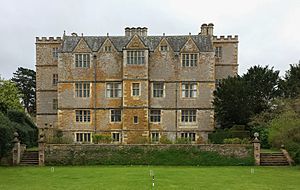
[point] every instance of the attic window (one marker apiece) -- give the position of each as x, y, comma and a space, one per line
163, 48
107, 48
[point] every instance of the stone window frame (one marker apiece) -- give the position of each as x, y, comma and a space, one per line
114, 116
55, 104
155, 137
83, 116
189, 59
219, 52
135, 90
164, 48
54, 79
84, 136
114, 135
55, 53
188, 116
189, 135
82, 60
191, 91
116, 92
155, 117
107, 48
135, 119
163, 90
81, 90
135, 57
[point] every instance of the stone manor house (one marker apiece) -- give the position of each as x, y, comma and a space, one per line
133, 87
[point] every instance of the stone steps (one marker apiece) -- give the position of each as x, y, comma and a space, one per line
30, 158
273, 159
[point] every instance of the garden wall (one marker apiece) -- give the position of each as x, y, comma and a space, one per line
94, 154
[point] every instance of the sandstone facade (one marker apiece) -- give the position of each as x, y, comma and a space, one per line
135, 87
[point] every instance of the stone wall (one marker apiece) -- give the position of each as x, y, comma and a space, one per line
204, 154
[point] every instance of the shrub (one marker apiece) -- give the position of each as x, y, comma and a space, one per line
101, 138
61, 140
164, 140
235, 132
285, 130
183, 141
236, 141
6, 135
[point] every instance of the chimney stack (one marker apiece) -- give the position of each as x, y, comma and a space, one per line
210, 29
141, 31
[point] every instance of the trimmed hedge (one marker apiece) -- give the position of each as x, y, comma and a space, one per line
139, 155
237, 131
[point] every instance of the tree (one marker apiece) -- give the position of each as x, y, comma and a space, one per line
25, 80
262, 84
238, 99
290, 86
9, 96
232, 103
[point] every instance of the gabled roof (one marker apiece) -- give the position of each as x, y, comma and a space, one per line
176, 42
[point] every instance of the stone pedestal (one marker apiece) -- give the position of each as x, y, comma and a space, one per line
16, 151
256, 148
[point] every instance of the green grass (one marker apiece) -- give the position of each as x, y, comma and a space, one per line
270, 150
137, 177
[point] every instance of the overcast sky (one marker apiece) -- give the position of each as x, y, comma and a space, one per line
268, 30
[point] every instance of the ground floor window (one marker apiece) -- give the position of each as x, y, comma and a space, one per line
83, 137
154, 137
189, 136
116, 137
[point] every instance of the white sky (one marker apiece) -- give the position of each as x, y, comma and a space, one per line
268, 30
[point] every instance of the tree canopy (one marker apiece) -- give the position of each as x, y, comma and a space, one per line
237, 99
9, 96
25, 80
290, 86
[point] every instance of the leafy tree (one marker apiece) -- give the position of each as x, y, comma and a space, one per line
232, 103
9, 96
237, 99
290, 86
262, 84
25, 80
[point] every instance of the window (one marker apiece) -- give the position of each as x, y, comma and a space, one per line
82, 60
135, 57
54, 104
115, 115
189, 59
135, 89
83, 116
82, 89
188, 116
189, 90
113, 90
55, 53
107, 48
54, 79
163, 48
135, 119
158, 89
155, 137
83, 137
155, 116
190, 136
218, 52
115, 137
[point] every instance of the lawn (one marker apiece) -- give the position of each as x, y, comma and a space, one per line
138, 177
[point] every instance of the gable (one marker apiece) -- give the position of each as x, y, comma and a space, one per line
107, 43
135, 43
163, 42
190, 46
82, 47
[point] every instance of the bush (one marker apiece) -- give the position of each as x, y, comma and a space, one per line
6, 135
237, 131
183, 141
236, 141
285, 130
263, 136
100, 138
164, 140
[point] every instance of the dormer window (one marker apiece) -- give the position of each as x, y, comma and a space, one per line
135, 57
164, 48
107, 48
189, 59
